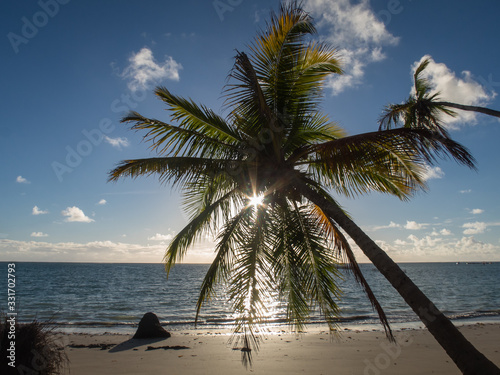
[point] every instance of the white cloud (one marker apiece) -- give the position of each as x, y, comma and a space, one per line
161, 237
413, 225
445, 232
442, 232
476, 211
469, 245
389, 226
426, 241
468, 191
39, 234
22, 180
357, 31
474, 228
432, 173
143, 71
460, 90
74, 214
102, 202
478, 227
37, 211
117, 142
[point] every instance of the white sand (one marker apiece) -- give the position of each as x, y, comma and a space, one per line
363, 353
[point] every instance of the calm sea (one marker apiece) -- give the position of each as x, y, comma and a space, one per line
85, 297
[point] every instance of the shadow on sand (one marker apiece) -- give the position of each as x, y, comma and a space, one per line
134, 343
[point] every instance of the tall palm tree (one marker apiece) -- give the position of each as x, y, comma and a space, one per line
261, 177
424, 108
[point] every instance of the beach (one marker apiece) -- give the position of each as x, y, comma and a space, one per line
97, 317
318, 352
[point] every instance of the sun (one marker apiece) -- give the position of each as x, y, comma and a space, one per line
256, 200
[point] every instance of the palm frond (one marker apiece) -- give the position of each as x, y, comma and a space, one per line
174, 170
422, 86
309, 130
205, 189
348, 258
251, 279
394, 114
319, 265
220, 269
177, 141
192, 232
290, 265
198, 118
388, 161
247, 98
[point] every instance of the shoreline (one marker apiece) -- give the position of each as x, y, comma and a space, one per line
129, 328
313, 352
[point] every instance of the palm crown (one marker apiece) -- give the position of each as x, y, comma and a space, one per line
275, 143
421, 110
425, 109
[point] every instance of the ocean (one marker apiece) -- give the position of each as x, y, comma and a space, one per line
95, 297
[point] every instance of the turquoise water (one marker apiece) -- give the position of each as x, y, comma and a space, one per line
113, 297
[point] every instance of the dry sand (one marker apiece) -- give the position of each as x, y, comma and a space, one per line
355, 352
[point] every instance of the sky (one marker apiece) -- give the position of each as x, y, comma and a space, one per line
71, 69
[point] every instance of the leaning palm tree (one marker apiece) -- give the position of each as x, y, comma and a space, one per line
262, 180
424, 108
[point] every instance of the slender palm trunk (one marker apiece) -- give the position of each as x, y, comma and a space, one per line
468, 359
487, 111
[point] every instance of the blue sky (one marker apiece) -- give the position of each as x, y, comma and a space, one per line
71, 69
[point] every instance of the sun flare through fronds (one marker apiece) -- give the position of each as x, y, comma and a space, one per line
256, 200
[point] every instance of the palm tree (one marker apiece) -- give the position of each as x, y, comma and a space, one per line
423, 108
260, 180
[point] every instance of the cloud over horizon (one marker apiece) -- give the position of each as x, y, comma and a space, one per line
161, 237
93, 251
466, 248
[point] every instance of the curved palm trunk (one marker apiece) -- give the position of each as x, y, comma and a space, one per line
486, 111
468, 359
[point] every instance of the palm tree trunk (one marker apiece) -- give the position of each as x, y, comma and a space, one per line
463, 107
468, 359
